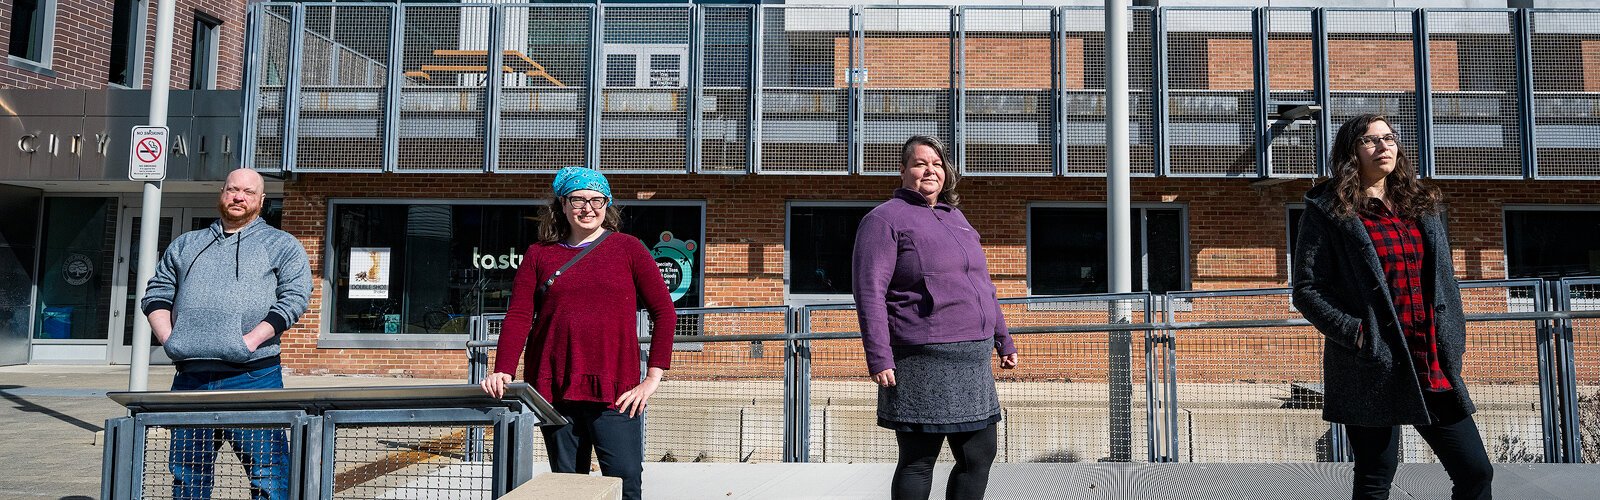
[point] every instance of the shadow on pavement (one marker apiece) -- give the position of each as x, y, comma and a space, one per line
29, 406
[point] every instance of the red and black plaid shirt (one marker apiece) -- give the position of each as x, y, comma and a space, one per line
1399, 245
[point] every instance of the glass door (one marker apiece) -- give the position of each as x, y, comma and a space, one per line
125, 311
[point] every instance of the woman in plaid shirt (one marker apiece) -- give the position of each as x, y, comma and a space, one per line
1373, 273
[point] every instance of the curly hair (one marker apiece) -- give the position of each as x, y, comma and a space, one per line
1409, 196
952, 175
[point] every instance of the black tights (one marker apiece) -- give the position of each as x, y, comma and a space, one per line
974, 452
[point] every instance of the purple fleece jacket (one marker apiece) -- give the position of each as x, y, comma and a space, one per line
920, 278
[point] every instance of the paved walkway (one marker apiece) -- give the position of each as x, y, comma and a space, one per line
52, 414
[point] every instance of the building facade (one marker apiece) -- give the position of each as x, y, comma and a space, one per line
744, 143
73, 84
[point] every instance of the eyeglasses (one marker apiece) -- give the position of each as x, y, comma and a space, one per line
596, 203
1371, 141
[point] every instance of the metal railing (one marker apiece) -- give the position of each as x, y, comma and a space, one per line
818, 89
362, 442
1222, 376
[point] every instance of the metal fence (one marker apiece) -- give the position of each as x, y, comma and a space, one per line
357, 443
1198, 376
790, 89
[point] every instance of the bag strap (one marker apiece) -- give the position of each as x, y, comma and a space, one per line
586, 249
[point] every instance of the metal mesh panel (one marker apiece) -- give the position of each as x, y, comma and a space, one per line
844, 401
726, 71
1249, 394
804, 101
724, 402
1007, 92
1289, 78
1084, 111
442, 98
903, 96
644, 77
1211, 77
1501, 370
412, 462
1472, 62
544, 102
1055, 404
1566, 100
344, 65
1354, 39
206, 462
1585, 296
273, 61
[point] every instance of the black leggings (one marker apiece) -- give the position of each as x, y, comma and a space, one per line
974, 452
1454, 440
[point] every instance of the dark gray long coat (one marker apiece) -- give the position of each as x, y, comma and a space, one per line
1340, 287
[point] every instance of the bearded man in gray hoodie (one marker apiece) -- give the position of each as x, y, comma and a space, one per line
219, 301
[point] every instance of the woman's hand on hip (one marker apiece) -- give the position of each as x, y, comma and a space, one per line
1008, 361
884, 378
495, 384
632, 403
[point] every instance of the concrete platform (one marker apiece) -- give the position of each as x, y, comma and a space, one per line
1106, 481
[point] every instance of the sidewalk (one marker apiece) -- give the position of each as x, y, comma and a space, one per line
50, 415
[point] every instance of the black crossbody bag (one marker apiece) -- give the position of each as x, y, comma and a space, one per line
552, 280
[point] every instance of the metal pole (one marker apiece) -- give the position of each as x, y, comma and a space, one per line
1119, 234
150, 213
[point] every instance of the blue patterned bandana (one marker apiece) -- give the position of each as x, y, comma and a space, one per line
571, 179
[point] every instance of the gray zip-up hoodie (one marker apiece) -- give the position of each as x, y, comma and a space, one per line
219, 287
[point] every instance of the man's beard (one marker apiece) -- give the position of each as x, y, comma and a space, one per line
227, 216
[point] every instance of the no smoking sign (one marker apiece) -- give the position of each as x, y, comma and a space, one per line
148, 159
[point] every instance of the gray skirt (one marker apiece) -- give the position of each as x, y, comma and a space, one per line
940, 384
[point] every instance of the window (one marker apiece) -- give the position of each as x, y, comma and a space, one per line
32, 30
822, 237
620, 70
1067, 249
127, 35
1550, 243
203, 56
1293, 224
645, 65
411, 269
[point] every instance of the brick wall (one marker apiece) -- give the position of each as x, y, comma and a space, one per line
745, 233
82, 48
1353, 65
1590, 54
1004, 63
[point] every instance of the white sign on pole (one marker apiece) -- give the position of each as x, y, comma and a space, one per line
147, 160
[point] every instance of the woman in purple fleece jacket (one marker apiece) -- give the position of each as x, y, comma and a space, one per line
929, 318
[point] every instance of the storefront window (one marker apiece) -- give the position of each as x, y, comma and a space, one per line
75, 269
1067, 250
822, 238
426, 268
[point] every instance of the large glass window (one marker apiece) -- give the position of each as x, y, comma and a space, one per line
1067, 250
822, 238
425, 268
18, 241
1552, 242
75, 269
32, 28
127, 18
203, 52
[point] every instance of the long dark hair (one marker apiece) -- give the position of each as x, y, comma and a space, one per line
952, 175
554, 228
1410, 197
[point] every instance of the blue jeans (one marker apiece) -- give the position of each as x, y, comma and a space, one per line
263, 452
